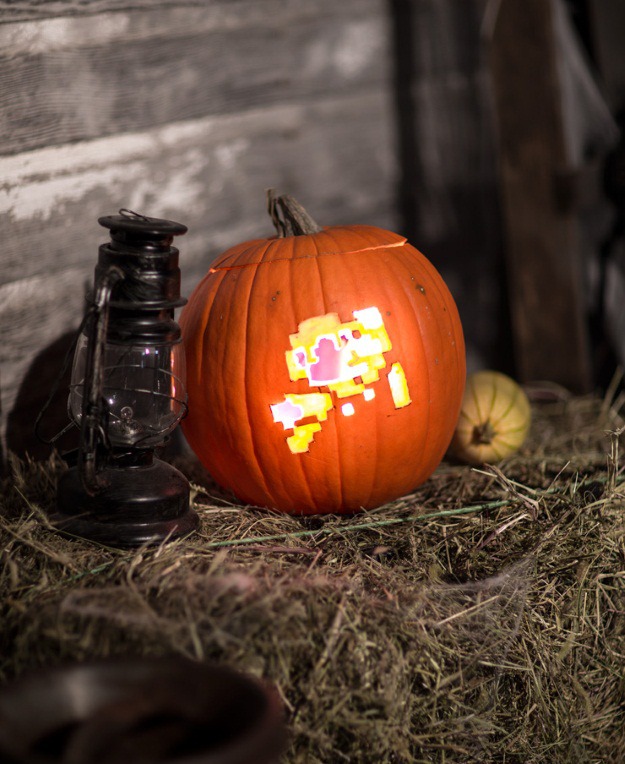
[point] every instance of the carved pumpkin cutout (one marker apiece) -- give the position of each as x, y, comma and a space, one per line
343, 358
325, 369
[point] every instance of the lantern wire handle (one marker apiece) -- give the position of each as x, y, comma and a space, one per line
94, 409
131, 214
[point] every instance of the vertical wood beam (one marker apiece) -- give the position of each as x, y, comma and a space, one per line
542, 246
607, 22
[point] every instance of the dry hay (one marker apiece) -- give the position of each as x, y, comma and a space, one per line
478, 619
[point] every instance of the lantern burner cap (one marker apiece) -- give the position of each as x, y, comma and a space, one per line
131, 226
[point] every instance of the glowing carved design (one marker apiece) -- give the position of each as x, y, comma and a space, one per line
399, 386
344, 358
295, 408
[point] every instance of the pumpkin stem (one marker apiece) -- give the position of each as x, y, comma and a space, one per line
483, 434
289, 217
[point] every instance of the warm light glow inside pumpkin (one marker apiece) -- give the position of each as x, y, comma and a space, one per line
399, 386
345, 357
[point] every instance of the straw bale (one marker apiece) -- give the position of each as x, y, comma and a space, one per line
478, 619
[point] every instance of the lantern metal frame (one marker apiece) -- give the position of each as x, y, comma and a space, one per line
118, 492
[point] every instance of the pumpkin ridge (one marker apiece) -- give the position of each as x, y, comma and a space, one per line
339, 450
513, 430
244, 434
444, 301
447, 301
512, 402
302, 470
476, 401
498, 455
493, 400
246, 381
259, 247
507, 444
315, 255
239, 250
429, 388
416, 313
336, 437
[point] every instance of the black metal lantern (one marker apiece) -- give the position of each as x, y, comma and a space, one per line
128, 394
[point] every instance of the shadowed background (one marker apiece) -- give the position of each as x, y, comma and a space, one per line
481, 129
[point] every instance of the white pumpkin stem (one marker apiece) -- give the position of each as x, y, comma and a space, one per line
483, 434
289, 217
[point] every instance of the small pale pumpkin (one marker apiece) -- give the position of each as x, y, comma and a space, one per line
494, 419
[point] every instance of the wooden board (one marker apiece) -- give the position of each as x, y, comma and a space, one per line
187, 111
210, 174
66, 80
447, 149
28, 10
607, 27
542, 245
20, 10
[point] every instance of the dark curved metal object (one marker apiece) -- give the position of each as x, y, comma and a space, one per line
115, 493
140, 711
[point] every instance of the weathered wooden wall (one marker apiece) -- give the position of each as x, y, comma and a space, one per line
188, 111
543, 239
377, 111
555, 130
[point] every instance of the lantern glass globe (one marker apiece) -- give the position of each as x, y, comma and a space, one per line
143, 387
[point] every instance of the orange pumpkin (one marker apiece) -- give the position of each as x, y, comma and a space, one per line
325, 367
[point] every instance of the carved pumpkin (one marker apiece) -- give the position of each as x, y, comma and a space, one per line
494, 419
325, 367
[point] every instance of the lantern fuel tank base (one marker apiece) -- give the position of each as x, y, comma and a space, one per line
143, 504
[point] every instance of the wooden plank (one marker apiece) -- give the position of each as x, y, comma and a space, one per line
131, 20
607, 23
607, 27
446, 37
27, 10
210, 174
542, 247
446, 143
454, 147
449, 137
66, 80
33, 10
